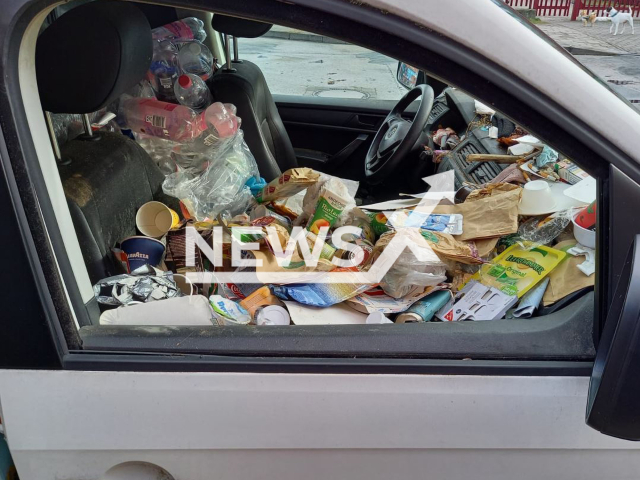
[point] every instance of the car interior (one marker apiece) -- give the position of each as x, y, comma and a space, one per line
107, 176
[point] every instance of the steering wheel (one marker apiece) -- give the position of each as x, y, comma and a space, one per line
396, 136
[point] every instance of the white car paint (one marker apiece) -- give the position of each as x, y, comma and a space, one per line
79, 425
227, 426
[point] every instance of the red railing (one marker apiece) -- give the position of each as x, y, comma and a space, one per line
544, 8
600, 6
566, 8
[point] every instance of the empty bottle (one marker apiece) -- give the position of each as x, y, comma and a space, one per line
221, 122
163, 71
161, 119
191, 28
195, 58
191, 91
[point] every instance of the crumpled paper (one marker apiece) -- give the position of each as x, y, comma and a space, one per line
144, 284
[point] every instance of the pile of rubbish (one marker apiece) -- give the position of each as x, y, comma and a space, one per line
300, 249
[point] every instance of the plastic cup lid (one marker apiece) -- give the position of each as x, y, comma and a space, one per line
273, 315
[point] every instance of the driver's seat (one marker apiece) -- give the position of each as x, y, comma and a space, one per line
244, 85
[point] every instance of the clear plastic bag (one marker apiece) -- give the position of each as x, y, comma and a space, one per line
221, 187
413, 268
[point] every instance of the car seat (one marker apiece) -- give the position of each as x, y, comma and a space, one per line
243, 84
85, 60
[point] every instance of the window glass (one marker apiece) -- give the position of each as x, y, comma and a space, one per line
205, 203
300, 63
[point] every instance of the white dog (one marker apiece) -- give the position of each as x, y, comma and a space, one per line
618, 18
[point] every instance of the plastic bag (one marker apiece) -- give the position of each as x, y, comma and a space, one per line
221, 187
346, 189
409, 272
160, 151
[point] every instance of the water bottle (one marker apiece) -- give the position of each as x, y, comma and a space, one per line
163, 71
191, 91
153, 117
195, 58
191, 28
220, 121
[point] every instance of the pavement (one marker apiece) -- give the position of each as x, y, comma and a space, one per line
575, 37
322, 66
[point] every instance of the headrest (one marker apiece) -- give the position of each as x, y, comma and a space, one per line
239, 27
91, 55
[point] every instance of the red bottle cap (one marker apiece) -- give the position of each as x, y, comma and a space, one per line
184, 81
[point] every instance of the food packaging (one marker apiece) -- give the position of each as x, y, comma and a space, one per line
566, 278
228, 312
477, 302
319, 294
586, 217
261, 298
519, 268
445, 223
287, 184
329, 207
570, 172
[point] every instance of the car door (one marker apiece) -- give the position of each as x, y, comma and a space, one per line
191, 404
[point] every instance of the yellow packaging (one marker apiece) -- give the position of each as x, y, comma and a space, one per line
287, 184
519, 268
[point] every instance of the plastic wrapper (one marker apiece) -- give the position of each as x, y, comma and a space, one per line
145, 284
413, 268
221, 187
342, 188
160, 151
287, 184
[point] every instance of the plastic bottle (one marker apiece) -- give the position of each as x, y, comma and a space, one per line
161, 119
163, 71
191, 91
191, 28
195, 58
220, 121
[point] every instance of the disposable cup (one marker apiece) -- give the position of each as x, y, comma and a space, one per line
155, 219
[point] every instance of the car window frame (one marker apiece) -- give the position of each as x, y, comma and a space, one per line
49, 237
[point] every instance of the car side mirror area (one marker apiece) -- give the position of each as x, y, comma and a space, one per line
409, 76
614, 391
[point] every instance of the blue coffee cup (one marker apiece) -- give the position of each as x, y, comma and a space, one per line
142, 251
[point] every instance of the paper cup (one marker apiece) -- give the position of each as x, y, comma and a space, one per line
142, 251
155, 219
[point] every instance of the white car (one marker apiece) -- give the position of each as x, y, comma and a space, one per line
503, 399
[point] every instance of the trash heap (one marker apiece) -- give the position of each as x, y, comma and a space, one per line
300, 250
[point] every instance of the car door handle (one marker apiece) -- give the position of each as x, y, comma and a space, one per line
367, 122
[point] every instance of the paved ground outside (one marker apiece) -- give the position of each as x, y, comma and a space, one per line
300, 63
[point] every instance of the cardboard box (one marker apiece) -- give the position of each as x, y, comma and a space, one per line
477, 302
570, 172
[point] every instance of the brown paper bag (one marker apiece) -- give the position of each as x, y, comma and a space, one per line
444, 245
493, 215
566, 278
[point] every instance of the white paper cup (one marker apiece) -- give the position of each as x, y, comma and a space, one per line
155, 219
537, 197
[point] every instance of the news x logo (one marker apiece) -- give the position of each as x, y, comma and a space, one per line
296, 262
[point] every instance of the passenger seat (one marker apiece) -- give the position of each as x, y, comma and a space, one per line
84, 61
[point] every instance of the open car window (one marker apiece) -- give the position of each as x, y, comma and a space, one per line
203, 202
